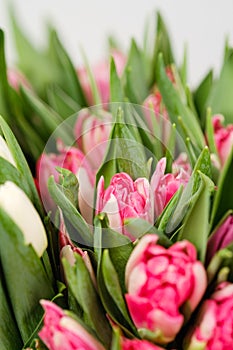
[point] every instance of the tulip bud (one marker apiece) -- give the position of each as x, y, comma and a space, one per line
61, 331
5, 152
20, 209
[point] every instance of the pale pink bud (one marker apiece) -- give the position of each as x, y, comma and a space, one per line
164, 186
223, 137
125, 198
92, 133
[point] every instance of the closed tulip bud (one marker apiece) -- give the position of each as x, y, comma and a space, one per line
223, 137
20, 209
61, 331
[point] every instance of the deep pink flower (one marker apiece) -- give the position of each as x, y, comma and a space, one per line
61, 332
164, 186
125, 198
220, 239
101, 73
92, 133
74, 160
214, 327
159, 282
223, 137
137, 344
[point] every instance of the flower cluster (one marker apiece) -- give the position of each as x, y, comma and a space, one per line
116, 202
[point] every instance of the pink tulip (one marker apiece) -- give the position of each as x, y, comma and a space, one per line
136, 344
74, 160
92, 133
214, 326
125, 198
17, 79
220, 239
164, 186
101, 73
62, 332
159, 282
223, 137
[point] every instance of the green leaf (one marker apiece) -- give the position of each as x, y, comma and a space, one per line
196, 223
183, 68
223, 200
21, 163
139, 227
176, 107
116, 339
106, 298
125, 152
62, 103
9, 333
210, 132
136, 88
26, 279
116, 90
50, 119
113, 286
220, 99
84, 291
4, 98
81, 232
187, 197
201, 96
34, 63
168, 211
69, 183
163, 44
70, 84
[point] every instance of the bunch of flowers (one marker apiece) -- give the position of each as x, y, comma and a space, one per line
116, 200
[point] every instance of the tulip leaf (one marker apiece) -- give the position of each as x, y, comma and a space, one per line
113, 286
201, 96
81, 232
82, 288
138, 227
4, 108
223, 200
163, 44
70, 83
9, 334
106, 298
62, 103
116, 90
176, 107
49, 118
21, 164
136, 88
26, 279
220, 99
116, 339
168, 211
196, 223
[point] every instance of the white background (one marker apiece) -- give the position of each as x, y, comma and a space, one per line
202, 24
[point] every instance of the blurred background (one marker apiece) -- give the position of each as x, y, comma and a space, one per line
201, 24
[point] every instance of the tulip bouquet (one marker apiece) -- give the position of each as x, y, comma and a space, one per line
116, 200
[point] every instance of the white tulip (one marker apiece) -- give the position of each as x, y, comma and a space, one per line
5, 152
21, 210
